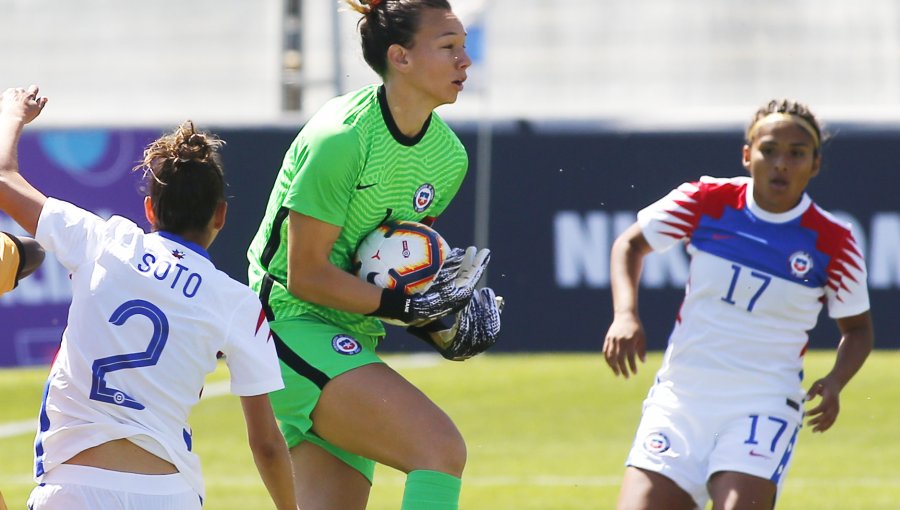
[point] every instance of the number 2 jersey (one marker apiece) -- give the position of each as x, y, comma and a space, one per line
149, 314
757, 284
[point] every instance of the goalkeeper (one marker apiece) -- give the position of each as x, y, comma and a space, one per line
378, 153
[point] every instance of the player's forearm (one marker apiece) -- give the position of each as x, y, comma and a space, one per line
10, 131
626, 262
854, 348
274, 466
330, 286
270, 453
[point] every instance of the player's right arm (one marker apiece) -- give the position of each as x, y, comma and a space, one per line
269, 450
18, 198
625, 340
313, 278
311, 275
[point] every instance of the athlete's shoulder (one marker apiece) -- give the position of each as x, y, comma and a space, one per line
707, 195
444, 130
342, 120
346, 111
831, 230
720, 185
65, 216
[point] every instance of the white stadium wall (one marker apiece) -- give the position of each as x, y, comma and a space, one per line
671, 63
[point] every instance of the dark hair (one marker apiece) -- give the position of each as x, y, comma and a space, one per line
387, 22
789, 107
184, 179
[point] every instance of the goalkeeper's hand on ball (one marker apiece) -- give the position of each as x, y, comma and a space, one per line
474, 329
451, 291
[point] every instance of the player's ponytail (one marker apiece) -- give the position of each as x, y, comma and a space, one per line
184, 179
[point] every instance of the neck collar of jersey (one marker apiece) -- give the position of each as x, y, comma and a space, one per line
402, 139
182, 241
771, 217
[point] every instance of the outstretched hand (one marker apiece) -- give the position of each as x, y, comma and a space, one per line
21, 104
822, 416
624, 344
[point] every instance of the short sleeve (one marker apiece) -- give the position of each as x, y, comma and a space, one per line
250, 351
330, 160
847, 292
670, 219
73, 234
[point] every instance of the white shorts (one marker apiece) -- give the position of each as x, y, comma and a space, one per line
688, 441
72, 487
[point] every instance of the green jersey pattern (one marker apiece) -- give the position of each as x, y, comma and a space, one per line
351, 167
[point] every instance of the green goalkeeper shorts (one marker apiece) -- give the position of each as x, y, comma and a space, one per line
316, 352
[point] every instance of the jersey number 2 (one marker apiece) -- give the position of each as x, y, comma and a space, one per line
99, 390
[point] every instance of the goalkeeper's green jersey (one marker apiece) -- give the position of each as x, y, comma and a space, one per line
351, 167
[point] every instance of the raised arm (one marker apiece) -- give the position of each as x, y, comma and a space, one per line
18, 198
625, 339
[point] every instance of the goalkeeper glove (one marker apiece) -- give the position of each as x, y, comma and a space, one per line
452, 290
474, 330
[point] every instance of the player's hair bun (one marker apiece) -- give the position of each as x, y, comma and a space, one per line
189, 145
171, 152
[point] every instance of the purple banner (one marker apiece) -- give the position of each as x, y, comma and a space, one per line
91, 168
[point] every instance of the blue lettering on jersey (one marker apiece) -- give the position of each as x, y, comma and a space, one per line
165, 271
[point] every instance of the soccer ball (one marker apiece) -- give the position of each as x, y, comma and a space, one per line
403, 255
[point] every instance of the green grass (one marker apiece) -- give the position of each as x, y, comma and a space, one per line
546, 432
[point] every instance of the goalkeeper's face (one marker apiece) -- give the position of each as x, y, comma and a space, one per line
436, 62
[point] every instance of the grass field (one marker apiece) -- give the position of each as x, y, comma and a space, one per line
545, 432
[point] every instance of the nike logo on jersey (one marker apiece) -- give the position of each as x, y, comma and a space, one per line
754, 454
364, 186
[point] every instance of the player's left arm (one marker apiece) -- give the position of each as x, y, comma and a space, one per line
270, 453
857, 340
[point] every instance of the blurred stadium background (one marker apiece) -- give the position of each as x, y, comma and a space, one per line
575, 114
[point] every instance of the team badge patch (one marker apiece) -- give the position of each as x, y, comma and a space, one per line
424, 197
801, 263
656, 443
345, 344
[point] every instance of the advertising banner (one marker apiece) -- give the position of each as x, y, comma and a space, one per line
558, 199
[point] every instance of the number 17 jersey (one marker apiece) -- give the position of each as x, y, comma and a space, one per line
757, 284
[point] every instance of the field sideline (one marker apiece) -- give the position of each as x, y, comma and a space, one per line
544, 432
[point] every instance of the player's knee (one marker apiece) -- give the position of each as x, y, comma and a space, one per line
456, 456
447, 454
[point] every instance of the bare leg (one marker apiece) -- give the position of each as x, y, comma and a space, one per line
647, 490
374, 412
739, 491
323, 482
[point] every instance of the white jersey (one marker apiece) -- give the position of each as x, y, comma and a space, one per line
757, 284
149, 314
